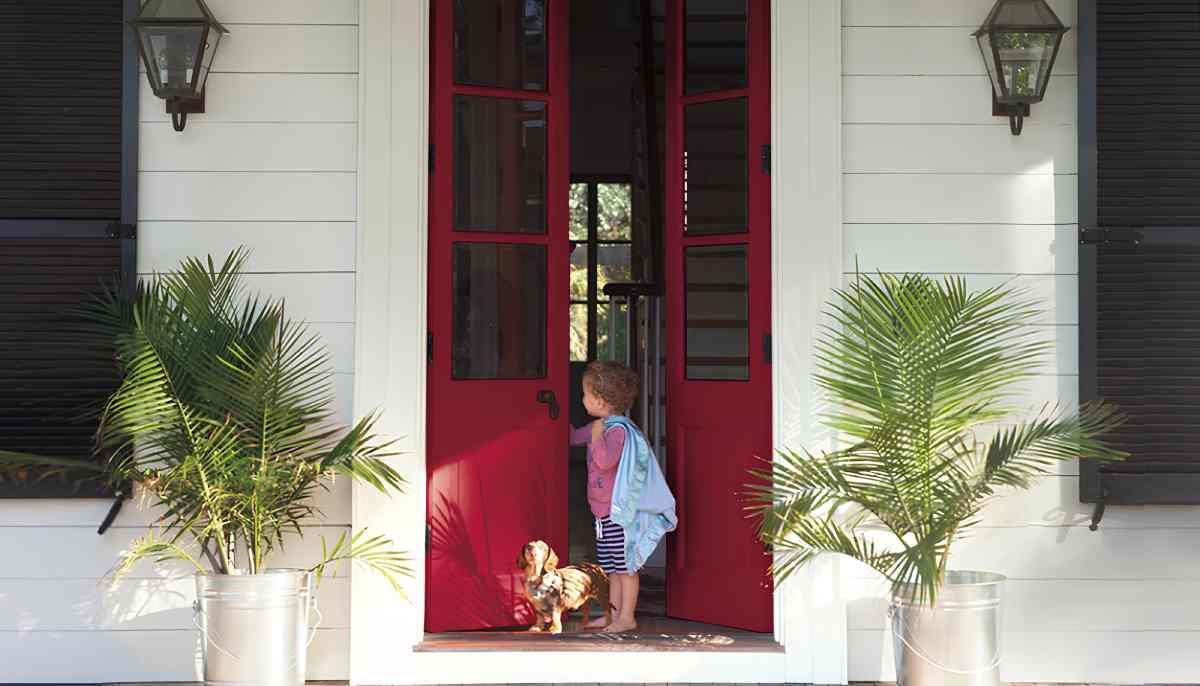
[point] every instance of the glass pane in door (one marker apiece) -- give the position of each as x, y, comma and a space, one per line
718, 312
500, 43
715, 179
499, 311
499, 165
716, 45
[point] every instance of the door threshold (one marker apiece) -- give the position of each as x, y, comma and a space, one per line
654, 634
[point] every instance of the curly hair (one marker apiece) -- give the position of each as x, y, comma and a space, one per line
612, 382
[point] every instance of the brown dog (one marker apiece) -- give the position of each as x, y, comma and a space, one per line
553, 591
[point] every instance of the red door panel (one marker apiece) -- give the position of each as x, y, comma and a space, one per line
718, 273
497, 376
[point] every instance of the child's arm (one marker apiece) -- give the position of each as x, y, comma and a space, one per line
582, 435
606, 452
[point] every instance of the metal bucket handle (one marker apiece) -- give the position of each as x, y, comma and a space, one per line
312, 632
896, 617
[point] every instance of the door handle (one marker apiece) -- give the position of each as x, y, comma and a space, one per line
547, 398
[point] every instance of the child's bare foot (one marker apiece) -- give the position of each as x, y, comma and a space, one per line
597, 623
620, 625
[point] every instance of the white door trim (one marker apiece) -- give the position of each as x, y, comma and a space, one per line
390, 315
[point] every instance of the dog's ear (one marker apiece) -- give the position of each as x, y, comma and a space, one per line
522, 563
551, 559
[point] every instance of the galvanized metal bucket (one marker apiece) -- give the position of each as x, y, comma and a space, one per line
956, 642
254, 627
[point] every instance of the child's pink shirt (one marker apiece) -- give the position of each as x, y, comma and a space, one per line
604, 456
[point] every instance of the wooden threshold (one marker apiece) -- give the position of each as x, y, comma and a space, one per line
654, 634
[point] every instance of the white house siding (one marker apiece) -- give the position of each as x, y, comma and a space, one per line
272, 166
934, 183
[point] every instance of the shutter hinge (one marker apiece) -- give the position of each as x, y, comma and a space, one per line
117, 230
428, 536
432, 158
429, 347
766, 347
1122, 236
765, 156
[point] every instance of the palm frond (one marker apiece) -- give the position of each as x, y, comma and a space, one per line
152, 546
224, 413
914, 367
375, 552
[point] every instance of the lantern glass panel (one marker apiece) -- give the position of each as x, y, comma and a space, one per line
1025, 60
210, 50
173, 52
985, 49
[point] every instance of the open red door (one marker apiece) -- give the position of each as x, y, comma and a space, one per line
718, 290
497, 432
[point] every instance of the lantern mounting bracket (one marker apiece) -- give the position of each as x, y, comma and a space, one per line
1015, 112
180, 108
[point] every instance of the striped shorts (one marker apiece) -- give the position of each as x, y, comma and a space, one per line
610, 546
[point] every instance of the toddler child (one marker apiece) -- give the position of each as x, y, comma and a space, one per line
644, 510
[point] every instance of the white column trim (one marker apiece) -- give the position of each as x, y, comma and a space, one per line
390, 347
806, 255
390, 318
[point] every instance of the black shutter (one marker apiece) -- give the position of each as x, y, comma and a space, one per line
68, 104
1140, 243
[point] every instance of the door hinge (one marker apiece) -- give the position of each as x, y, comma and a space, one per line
428, 537
117, 231
765, 156
432, 158
766, 347
1122, 236
429, 347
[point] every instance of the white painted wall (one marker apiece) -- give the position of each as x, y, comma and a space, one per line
934, 183
272, 166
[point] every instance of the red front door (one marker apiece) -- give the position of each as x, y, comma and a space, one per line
498, 248
718, 288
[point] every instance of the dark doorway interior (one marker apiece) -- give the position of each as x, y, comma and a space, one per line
613, 216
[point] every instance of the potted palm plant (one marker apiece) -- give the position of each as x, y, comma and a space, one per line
223, 418
921, 377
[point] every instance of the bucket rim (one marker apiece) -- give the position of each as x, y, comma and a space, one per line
278, 571
981, 578
985, 578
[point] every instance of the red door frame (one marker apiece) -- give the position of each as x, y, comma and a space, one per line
479, 444
700, 562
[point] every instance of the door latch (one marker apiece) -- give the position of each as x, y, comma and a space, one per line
547, 397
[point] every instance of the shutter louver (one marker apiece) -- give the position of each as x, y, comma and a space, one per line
1148, 113
1140, 262
61, 180
60, 104
1148, 327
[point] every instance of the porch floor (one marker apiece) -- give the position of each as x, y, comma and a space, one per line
652, 684
654, 633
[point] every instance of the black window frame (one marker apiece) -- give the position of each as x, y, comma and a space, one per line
1158, 483
593, 243
122, 229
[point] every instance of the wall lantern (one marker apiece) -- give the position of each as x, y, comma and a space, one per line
177, 40
1019, 42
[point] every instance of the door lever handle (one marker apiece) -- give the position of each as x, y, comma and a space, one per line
547, 398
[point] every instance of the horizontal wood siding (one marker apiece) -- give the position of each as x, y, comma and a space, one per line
935, 184
271, 165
